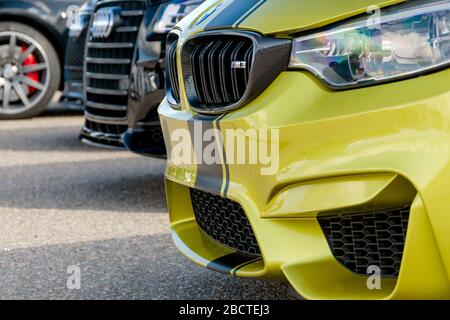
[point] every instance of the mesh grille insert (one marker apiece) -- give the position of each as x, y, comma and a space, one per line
364, 239
225, 221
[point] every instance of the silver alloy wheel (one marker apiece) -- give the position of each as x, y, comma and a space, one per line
15, 97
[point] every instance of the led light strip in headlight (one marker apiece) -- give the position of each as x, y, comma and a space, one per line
405, 41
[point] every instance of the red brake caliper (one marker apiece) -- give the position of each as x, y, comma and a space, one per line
31, 60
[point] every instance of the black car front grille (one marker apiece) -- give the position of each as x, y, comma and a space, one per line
360, 240
227, 69
224, 221
219, 69
105, 128
108, 63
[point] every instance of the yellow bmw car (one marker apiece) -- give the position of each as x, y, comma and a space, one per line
309, 142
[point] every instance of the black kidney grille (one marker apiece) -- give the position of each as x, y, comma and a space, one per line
108, 63
172, 83
218, 68
225, 221
364, 239
173, 71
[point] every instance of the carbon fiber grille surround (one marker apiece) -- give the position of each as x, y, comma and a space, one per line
224, 70
108, 63
224, 221
359, 240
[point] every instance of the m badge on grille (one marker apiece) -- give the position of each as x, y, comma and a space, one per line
103, 23
238, 64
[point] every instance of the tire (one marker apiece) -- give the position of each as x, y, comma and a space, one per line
29, 87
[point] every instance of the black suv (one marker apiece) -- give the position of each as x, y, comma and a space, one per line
32, 42
124, 72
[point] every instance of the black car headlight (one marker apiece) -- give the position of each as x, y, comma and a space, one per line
405, 40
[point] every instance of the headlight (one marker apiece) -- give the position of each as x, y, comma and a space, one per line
408, 40
169, 14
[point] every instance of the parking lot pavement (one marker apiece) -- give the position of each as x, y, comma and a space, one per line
63, 203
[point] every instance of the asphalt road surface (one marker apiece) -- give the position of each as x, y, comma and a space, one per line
64, 204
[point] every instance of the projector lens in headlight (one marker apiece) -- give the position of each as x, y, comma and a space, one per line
406, 40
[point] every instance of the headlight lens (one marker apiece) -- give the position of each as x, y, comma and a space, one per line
408, 40
170, 14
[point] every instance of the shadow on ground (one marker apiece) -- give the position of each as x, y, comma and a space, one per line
133, 268
44, 139
139, 267
125, 185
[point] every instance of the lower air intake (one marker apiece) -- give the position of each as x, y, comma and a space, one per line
361, 240
225, 221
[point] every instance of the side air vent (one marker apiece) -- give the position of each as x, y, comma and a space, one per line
360, 240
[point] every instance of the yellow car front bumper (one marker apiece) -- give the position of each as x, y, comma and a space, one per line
385, 145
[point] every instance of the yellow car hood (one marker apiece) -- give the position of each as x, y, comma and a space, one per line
277, 16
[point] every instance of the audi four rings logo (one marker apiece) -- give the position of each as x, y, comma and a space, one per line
238, 65
103, 23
